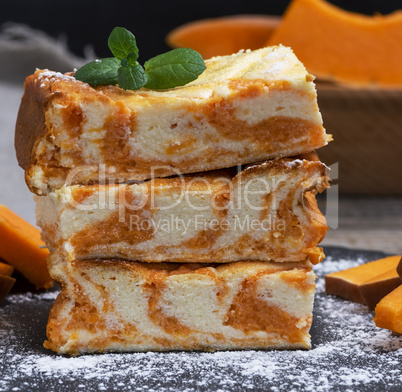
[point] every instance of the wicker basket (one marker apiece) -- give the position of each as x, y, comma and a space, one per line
367, 128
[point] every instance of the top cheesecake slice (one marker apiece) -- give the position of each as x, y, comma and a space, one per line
247, 107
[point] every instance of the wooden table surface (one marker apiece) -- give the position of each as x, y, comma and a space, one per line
373, 223
363, 222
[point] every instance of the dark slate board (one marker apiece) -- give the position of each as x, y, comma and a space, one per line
349, 353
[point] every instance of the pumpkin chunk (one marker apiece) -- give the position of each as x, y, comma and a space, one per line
225, 35
399, 269
388, 312
366, 283
343, 46
375, 289
6, 283
21, 246
6, 269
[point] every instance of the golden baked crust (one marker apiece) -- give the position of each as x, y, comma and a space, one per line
114, 305
244, 108
265, 212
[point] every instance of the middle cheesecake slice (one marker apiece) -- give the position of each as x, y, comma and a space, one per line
266, 212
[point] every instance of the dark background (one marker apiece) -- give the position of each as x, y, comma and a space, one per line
86, 23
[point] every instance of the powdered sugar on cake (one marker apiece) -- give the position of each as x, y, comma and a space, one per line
50, 77
349, 352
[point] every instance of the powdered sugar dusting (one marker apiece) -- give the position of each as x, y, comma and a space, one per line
349, 353
47, 76
28, 297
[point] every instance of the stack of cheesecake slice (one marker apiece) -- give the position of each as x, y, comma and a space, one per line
182, 218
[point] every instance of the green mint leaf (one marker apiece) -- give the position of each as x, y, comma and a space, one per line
122, 43
99, 72
174, 68
132, 77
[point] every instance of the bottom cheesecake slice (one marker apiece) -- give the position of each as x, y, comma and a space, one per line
116, 305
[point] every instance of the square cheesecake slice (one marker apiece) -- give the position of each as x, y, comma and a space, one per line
244, 108
265, 212
116, 305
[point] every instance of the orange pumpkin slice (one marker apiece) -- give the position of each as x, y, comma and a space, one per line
343, 46
21, 246
6, 269
366, 281
388, 312
225, 35
6, 284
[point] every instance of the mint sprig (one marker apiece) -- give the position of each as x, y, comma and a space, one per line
174, 68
